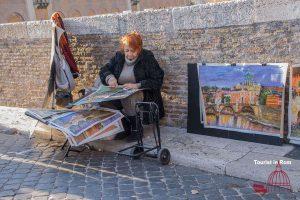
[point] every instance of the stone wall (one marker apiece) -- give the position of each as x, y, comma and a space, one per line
238, 31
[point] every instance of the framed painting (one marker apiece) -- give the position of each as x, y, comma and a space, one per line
244, 97
294, 105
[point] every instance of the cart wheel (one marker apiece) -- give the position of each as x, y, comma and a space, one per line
164, 156
136, 150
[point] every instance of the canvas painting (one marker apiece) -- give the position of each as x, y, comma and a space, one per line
294, 105
245, 97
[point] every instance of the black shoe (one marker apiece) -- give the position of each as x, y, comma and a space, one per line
122, 135
132, 138
127, 129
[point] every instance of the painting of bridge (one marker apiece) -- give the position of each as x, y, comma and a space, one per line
245, 98
294, 106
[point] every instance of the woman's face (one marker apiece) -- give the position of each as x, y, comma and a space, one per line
130, 53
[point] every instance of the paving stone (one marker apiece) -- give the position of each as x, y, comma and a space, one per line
106, 191
127, 198
6, 176
110, 197
11, 187
57, 196
214, 197
135, 179
94, 195
19, 176
14, 181
233, 198
7, 198
158, 185
246, 190
22, 196
24, 190
29, 184
162, 197
271, 196
110, 185
158, 192
126, 193
228, 192
174, 186
125, 187
287, 196
62, 189
195, 196
35, 178
7, 193
142, 189
251, 197
44, 186
144, 195
40, 193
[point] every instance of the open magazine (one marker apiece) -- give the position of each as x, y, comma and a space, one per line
104, 93
82, 126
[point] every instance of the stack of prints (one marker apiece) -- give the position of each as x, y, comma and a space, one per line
82, 126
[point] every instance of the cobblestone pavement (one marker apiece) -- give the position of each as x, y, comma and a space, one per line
31, 169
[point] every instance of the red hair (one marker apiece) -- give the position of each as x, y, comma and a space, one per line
133, 40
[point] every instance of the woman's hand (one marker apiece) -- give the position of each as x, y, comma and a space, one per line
131, 86
112, 82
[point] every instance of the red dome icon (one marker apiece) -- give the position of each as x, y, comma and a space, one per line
279, 178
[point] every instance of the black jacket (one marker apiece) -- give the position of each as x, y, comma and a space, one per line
146, 71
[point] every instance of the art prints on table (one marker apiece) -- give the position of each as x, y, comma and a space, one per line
44, 115
82, 126
74, 123
105, 93
245, 97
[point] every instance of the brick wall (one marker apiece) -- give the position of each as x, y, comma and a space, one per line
176, 36
24, 66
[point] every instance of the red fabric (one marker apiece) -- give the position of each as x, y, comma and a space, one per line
64, 44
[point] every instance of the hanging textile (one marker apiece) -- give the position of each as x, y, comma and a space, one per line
64, 45
61, 77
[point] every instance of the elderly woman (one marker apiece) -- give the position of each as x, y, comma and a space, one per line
135, 67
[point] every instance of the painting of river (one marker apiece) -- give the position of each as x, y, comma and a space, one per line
245, 97
294, 106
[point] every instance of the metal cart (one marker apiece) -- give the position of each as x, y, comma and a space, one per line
147, 113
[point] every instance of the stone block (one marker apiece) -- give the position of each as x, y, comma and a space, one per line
278, 10
13, 31
99, 24
45, 132
39, 29
213, 15
152, 21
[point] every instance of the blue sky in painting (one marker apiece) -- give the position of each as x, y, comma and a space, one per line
228, 76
